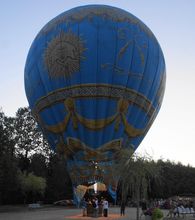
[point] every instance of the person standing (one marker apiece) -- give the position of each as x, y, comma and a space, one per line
96, 207
144, 207
122, 208
84, 207
105, 208
101, 207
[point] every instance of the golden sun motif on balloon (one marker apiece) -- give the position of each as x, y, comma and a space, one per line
63, 55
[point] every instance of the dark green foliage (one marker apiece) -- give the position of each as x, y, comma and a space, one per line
27, 135
157, 214
137, 174
8, 166
23, 151
38, 165
8, 180
58, 181
32, 186
177, 179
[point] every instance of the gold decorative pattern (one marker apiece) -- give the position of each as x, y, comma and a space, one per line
87, 164
95, 124
106, 12
139, 48
63, 55
116, 68
74, 145
94, 91
92, 164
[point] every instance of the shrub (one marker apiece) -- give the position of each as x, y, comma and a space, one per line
157, 214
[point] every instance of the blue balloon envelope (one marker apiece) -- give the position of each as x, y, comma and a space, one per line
95, 80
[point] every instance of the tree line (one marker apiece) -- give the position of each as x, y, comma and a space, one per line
30, 171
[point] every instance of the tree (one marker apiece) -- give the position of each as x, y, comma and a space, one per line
38, 165
177, 179
7, 134
32, 186
59, 185
8, 167
137, 174
28, 136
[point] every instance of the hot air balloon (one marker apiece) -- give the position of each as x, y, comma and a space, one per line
95, 80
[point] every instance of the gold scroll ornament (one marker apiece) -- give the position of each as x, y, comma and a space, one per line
95, 164
74, 145
95, 124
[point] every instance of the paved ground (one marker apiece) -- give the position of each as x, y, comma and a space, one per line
61, 214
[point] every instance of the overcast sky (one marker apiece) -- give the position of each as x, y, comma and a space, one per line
173, 23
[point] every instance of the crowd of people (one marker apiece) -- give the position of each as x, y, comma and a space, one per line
95, 208
176, 207
180, 208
